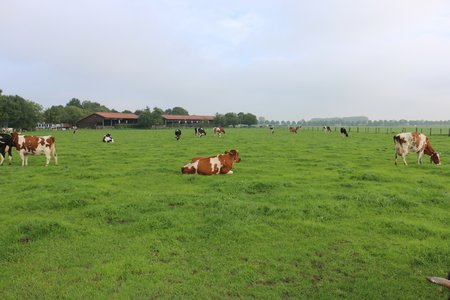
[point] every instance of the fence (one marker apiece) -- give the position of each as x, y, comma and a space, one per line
387, 130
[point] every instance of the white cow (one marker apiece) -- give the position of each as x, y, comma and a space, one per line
414, 142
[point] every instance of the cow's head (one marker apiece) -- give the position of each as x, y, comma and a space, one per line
15, 138
234, 154
435, 157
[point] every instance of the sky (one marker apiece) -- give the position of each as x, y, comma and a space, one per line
278, 59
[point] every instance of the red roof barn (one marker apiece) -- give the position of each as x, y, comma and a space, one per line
106, 120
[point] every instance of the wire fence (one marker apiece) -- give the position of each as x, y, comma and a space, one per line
386, 130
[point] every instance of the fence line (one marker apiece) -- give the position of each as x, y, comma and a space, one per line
382, 129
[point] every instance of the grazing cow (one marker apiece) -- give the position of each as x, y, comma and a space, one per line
218, 131
414, 142
344, 131
217, 164
326, 129
199, 131
107, 138
178, 134
294, 129
29, 144
271, 129
5, 147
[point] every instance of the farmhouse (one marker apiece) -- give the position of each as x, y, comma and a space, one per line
106, 120
185, 120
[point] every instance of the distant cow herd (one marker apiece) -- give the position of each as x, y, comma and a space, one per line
405, 143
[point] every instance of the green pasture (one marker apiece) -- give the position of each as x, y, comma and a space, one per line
304, 216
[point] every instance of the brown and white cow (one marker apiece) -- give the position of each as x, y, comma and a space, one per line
36, 145
414, 142
218, 131
211, 165
294, 129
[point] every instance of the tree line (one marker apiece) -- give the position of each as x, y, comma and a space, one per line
17, 112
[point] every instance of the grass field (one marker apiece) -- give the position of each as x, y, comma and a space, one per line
306, 216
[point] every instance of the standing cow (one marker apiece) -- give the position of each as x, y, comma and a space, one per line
36, 145
178, 134
414, 142
344, 131
218, 131
272, 129
5, 147
326, 129
199, 131
294, 129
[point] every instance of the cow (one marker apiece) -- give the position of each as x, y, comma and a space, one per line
344, 131
5, 147
178, 134
271, 129
107, 138
211, 165
414, 142
7, 130
294, 129
29, 144
199, 131
326, 129
218, 131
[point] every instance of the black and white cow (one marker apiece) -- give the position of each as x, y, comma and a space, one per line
326, 129
5, 147
199, 131
107, 138
178, 134
344, 131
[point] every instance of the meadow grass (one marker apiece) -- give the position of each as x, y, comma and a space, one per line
306, 216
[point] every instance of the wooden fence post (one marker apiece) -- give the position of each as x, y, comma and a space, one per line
430, 131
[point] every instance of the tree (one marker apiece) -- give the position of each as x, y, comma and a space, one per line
91, 107
54, 114
249, 119
73, 114
219, 120
74, 102
19, 113
157, 116
179, 111
231, 119
145, 119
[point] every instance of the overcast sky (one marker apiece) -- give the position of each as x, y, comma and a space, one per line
280, 59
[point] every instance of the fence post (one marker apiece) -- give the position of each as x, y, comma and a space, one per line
430, 131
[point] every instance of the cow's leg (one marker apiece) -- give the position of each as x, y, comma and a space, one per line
404, 159
22, 157
55, 155
2, 158
396, 158
419, 157
10, 155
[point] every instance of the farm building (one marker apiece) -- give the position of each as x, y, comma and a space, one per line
106, 120
185, 120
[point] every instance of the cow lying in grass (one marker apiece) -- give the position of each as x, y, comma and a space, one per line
211, 165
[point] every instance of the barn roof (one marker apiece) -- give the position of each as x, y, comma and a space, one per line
111, 115
188, 118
